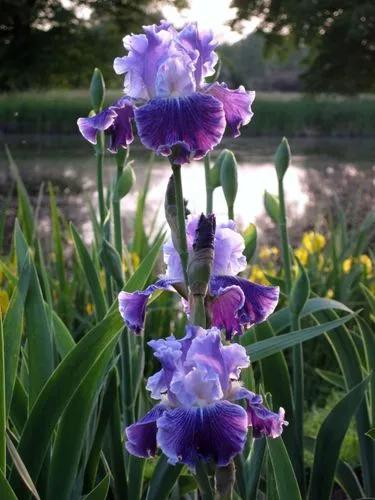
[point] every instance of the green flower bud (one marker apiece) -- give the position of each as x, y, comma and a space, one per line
124, 183
228, 179
272, 206
282, 158
97, 90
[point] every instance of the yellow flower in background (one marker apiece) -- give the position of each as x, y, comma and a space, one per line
257, 275
363, 259
347, 265
89, 309
4, 302
366, 262
134, 260
330, 293
266, 253
302, 255
313, 242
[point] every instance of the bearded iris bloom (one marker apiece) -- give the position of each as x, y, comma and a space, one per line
233, 303
175, 110
198, 417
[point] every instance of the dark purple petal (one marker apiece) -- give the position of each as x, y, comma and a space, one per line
121, 130
224, 309
116, 120
263, 421
141, 436
237, 105
260, 300
216, 432
132, 305
191, 125
90, 126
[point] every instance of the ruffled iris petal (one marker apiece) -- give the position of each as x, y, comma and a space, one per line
224, 309
263, 421
132, 306
201, 44
192, 124
216, 432
142, 435
90, 126
237, 105
260, 300
116, 120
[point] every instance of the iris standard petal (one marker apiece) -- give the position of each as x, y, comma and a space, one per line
193, 125
237, 105
216, 432
141, 436
132, 306
201, 45
260, 300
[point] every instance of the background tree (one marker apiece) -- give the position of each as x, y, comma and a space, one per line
48, 42
339, 36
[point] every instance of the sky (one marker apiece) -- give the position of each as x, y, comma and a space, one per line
213, 14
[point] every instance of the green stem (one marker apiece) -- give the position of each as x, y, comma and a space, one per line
298, 375
231, 212
204, 485
183, 249
198, 311
209, 190
127, 377
117, 216
99, 151
2, 403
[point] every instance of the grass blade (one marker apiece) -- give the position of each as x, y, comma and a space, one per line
21, 469
6, 492
3, 413
163, 479
286, 482
100, 491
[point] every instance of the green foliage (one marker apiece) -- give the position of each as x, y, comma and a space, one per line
339, 38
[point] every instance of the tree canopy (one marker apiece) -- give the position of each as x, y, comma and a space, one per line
48, 42
339, 36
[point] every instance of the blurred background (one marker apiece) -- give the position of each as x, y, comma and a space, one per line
311, 63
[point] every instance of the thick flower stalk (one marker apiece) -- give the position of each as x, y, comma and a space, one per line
176, 112
198, 417
232, 303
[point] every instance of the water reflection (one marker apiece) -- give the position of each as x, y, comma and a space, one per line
321, 169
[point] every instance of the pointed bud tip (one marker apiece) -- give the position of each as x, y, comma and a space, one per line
205, 233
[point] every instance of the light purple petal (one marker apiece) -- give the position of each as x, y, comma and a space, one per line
194, 123
216, 432
90, 126
224, 309
175, 77
235, 359
260, 300
200, 386
237, 105
203, 44
141, 436
132, 305
146, 54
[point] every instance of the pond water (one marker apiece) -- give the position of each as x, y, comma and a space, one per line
322, 170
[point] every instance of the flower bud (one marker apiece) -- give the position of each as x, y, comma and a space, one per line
97, 90
124, 183
282, 158
170, 209
228, 178
201, 259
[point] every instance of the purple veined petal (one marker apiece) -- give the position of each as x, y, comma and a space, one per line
141, 436
132, 305
146, 54
199, 42
194, 123
260, 300
216, 432
265, 423
175, 77
237, 105
224, 309
121, 130
90, 126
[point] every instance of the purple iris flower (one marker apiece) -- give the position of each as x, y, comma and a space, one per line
198, 417
233, 303
174, 109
